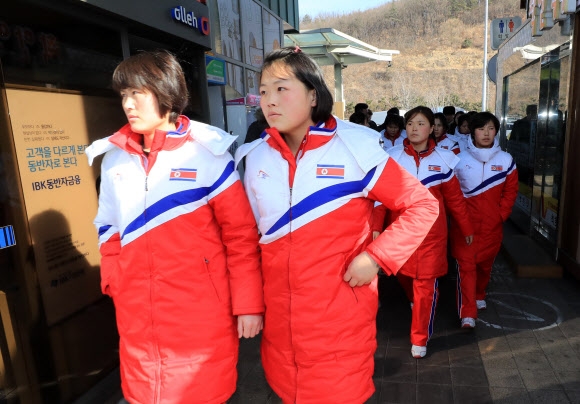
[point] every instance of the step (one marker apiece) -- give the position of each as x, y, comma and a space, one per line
529, 259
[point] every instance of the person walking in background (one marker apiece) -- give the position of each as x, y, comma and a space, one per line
449, 112
362, 107
440, 134
178, 241
390, 111
453, 125
257, 127
461, 131
312, 182
432, 166
489, 181
392, 134
360, 118
393, 111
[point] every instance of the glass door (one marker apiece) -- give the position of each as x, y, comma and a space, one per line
549, 146
519, 131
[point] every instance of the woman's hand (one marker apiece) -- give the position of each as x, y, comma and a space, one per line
249, 325
361, 271
469, 239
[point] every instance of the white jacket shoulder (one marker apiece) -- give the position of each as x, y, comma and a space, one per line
448, 157
212, 138
363, 143
396, 151
246, 148
97, 148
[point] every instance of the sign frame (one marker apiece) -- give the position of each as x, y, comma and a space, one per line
502, 29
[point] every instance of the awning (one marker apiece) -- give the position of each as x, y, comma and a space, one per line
328, 46
331, 47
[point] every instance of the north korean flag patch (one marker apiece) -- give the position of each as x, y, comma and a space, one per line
183, 174
329, 171
435, 168
496, 168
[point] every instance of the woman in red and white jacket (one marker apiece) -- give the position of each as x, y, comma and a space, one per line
312, 181
489, 181
178, 241
434, 168
394, 132
440, 133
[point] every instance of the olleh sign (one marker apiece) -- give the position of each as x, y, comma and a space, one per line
188, 18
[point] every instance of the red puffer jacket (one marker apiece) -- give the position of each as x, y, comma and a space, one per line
180, 260
314, 216
489, 181
434, 168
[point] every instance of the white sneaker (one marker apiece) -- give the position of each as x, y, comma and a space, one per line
411, 304
418, 352
481, 305
467, 322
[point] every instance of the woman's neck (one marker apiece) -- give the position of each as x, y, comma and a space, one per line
293, 143
419, 147
294, 139
149, 137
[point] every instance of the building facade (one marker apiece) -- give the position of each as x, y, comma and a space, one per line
58, 336
537, 101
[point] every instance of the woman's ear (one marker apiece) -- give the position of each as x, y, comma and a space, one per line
313, 98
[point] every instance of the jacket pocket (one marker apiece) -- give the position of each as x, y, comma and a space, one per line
210, 277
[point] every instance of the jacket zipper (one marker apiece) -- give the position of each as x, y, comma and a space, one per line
289, 262
290, 209
418, 166
289, 234
157, 396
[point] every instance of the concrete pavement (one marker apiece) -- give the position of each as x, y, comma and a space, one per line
525, 348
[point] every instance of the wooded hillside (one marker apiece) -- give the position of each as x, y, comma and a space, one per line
441, 60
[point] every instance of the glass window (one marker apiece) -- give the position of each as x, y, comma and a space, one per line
235, 82
230, 38
534, 122
40, 47
272, 34
253, 83
520, 126
549, 152
254, 47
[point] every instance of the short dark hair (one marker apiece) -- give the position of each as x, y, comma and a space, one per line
462, 118
159, 72
420, 110
306, 71
480, 119
449, 110
442, 119
394, 120
358, 117
360, 106
532, 109
393, 111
